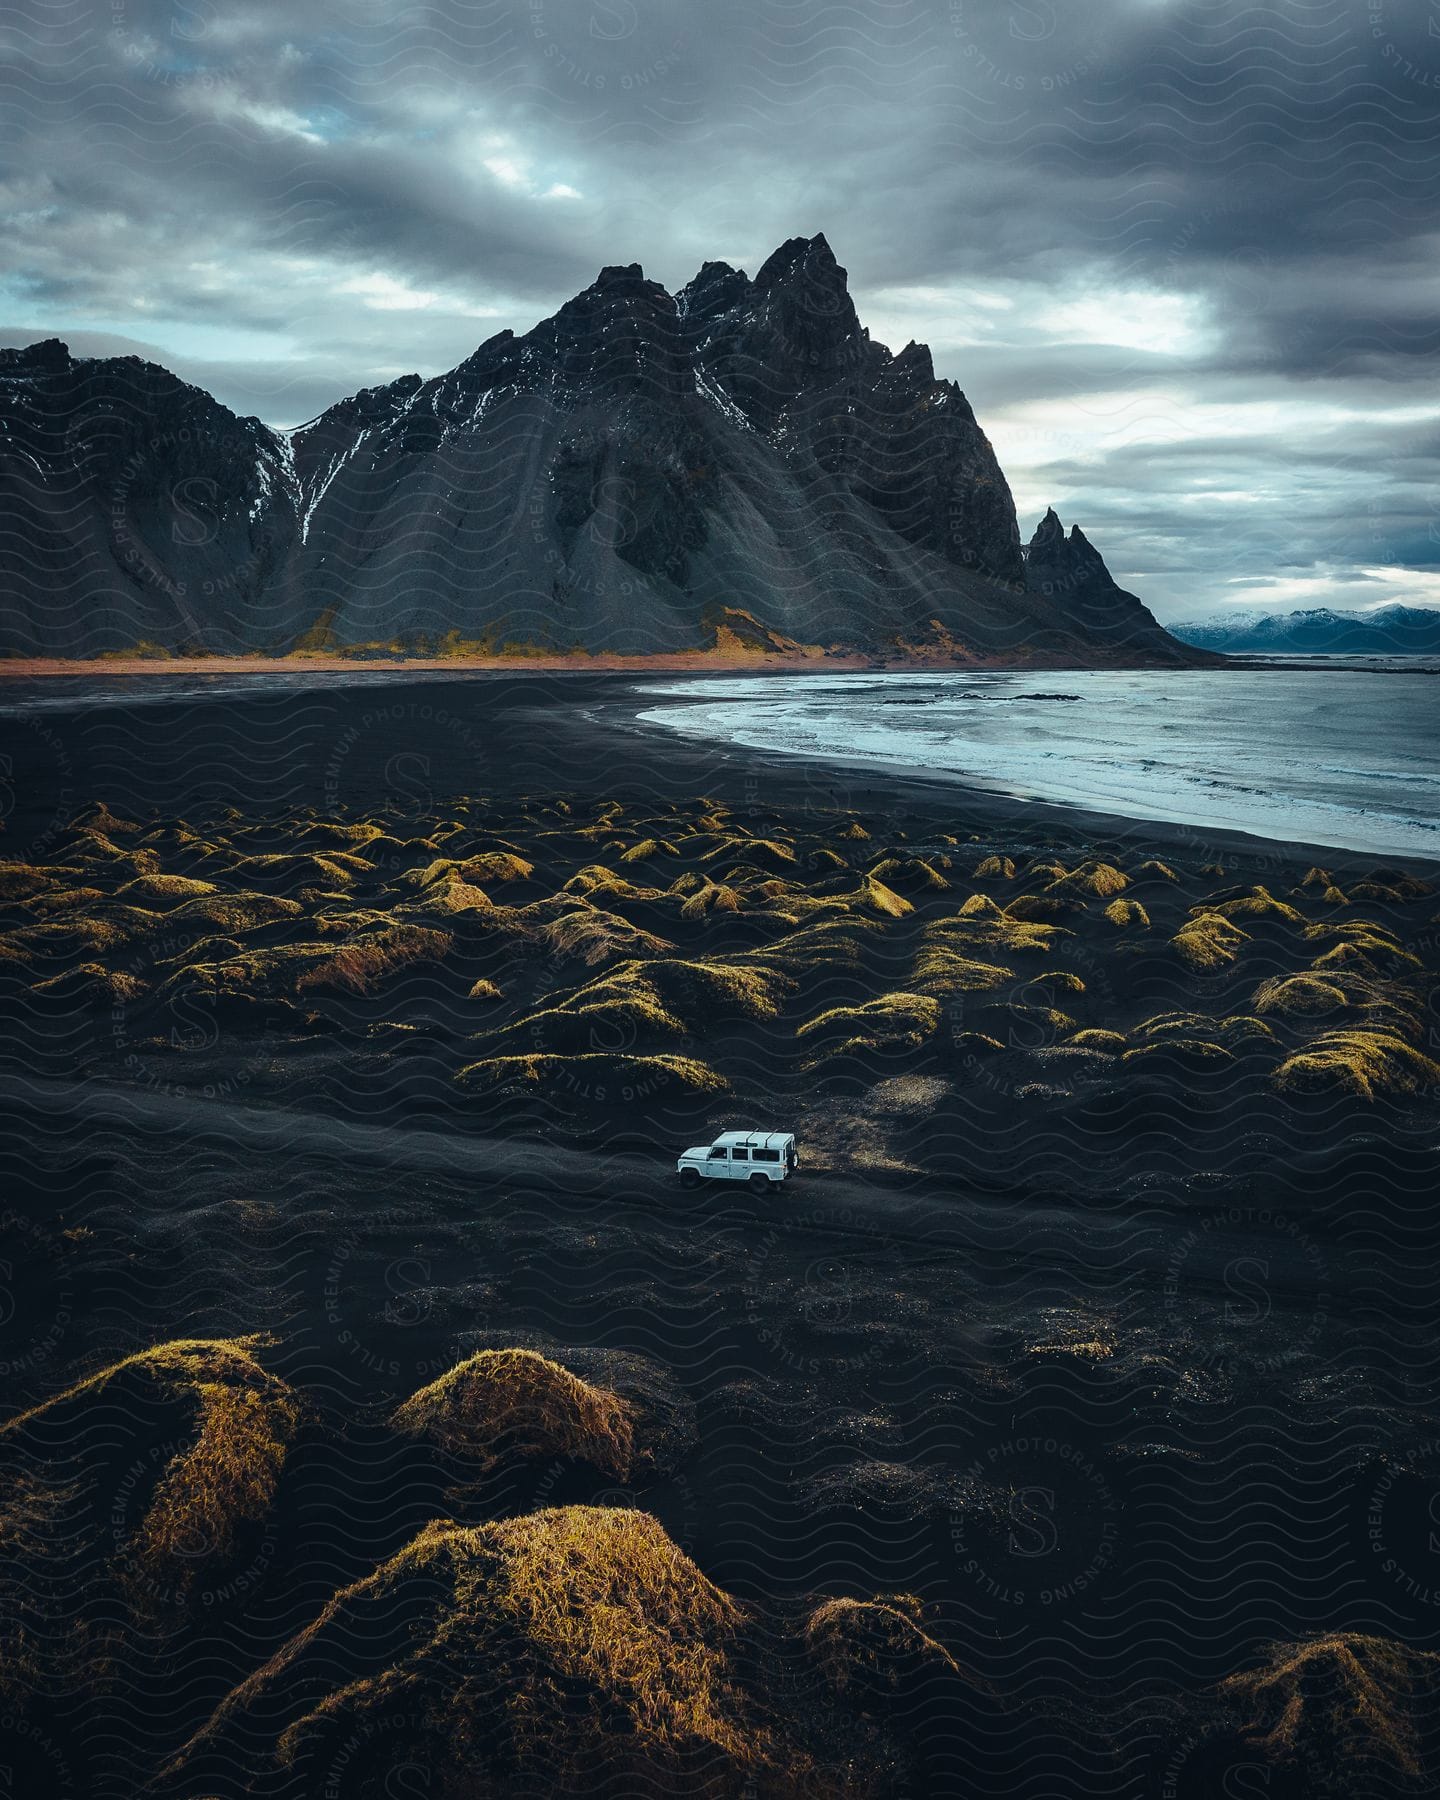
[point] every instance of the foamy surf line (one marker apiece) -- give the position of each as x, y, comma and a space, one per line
1299, 757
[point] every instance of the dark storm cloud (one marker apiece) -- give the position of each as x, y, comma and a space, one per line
297, 200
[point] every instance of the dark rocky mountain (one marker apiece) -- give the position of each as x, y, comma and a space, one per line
1070, 572
1319, 631
642, 472
135, 507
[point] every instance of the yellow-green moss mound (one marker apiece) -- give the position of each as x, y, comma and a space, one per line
502, 1403
1259, 903
1370, 1064
1127, 915
1099, 879
942, 972
1208, 942
1111, 1042
910, 875
492, 868
1299, 996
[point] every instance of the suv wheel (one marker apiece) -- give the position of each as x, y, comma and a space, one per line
689, 1178
759, 1182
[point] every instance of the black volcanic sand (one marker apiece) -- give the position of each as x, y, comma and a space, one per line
353, 1031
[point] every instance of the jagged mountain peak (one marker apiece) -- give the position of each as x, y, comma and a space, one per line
804, 259
48, 354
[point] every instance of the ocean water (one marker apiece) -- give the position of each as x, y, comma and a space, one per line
1339, 757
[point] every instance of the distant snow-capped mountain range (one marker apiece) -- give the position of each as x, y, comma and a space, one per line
1393, 630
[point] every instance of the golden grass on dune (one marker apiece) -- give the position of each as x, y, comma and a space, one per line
335, 832
1299, 995
1045, 909
223, 1479
1338, 1700
1259, 903
763, 852
450, 897
150, 889
980, 925
1360, 937
494, 868
236, 912
571, 1649
1230, 1028
710, 897
910, 874
1099, 879
1197, 1053
874, 1645
647, 848
995, 868
874, 896
1369, 1064
1094, 1038
891, 1022
298, 870
361, 966
63, 900
668, 996
1208, 942
598, 1077
595, 936
1025, 1019
1151, 870
227, 1478
943, 972
1127, 913
818, 945
503, 1403
93, 984
594, 879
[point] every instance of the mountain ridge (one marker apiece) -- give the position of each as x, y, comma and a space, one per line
1393, 629
633, 469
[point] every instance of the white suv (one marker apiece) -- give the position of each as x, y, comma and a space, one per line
758, 1157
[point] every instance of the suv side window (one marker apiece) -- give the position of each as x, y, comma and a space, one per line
740, 1154
766, 1156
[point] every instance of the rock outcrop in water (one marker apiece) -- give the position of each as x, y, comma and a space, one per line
643, 472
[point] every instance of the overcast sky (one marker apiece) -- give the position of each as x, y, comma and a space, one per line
1181, 254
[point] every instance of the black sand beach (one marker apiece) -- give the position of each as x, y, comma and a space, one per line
1113, 1357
